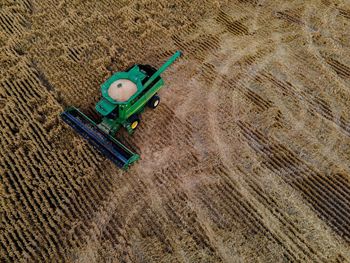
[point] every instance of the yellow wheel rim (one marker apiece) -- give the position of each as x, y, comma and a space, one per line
156, 103
134, 124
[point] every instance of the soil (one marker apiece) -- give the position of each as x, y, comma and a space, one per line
246, 159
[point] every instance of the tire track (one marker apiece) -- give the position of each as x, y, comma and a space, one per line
151, 135
316, 104
240, 210
328, 200
209, 73
293, 232
176, 203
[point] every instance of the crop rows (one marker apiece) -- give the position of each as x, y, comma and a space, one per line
194, 194
328, 195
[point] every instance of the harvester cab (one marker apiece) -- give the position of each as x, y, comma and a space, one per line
124, 97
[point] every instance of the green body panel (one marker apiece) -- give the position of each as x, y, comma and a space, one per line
140, 104
104, 107
136, 103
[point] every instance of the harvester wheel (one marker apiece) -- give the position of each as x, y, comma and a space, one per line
154, 102
134, 121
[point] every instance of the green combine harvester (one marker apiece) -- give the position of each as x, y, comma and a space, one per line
124, 97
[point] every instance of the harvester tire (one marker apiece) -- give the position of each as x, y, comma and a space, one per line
154, 102
134, 121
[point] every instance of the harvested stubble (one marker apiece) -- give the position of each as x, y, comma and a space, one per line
246, 159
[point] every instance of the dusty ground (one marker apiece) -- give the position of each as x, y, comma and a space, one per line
245, 160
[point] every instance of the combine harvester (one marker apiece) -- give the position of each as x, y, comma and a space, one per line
124, 97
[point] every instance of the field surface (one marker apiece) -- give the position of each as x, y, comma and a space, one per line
245, 160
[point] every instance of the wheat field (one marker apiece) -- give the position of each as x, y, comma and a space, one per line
245, 160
